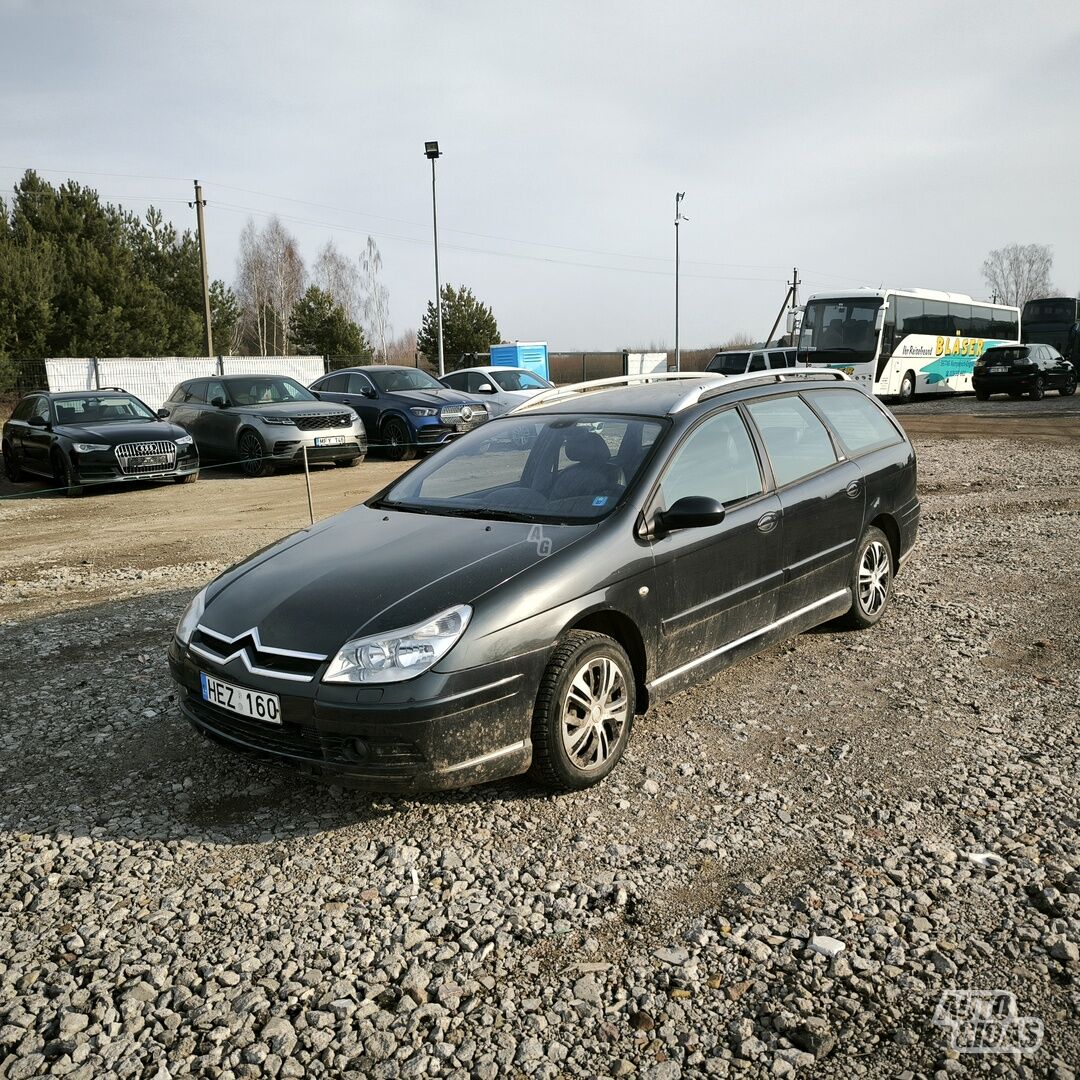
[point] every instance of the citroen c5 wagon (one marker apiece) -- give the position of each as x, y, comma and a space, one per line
514, 601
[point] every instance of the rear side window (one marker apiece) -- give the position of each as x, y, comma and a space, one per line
334, 384
455, 381
196, 392
22, 410
717, 459
859, 423
797, 442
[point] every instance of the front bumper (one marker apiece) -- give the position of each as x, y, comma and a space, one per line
435, 732
287, 444
101, 467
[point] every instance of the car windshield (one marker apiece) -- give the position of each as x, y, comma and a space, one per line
517, 379
267, 391
396, 380
100, 409
839, 330
1050, 311
732, 363
557, 469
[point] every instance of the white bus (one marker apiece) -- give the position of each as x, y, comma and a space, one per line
903, 342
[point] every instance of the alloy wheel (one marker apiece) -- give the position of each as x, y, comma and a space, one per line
875, 570
594, 712
251, 452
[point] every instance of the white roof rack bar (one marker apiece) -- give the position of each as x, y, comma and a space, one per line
561, 393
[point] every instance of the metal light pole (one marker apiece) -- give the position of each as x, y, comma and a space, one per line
431, 151
679, 216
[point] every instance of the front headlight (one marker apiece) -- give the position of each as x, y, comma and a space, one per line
277, 419
424, 412
399, 654
89, 447
184, 440
190, 619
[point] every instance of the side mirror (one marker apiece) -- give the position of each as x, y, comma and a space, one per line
485, 388
691, 512
879, 318
218, 402
163, 414
38, 421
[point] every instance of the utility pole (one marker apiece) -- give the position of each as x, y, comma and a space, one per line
431, 151
199, 203
679, 216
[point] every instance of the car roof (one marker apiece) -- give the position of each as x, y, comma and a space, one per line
60, 395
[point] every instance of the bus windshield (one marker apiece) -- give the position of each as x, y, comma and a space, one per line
839, 331
1050, 311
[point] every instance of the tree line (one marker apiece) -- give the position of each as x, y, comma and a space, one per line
79, 277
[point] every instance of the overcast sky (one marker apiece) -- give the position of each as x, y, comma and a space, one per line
867, 144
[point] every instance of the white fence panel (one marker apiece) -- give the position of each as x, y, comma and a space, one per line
152, 379
304, 369
646, 363
70, 374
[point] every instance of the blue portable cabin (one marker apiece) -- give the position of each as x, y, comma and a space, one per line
531, 355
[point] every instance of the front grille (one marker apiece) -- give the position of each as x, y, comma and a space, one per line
146, 457
323, 420
463, 416
278, 661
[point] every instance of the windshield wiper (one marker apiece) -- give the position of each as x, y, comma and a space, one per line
481, 512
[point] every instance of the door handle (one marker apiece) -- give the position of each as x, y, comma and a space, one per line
767, 522
854, 489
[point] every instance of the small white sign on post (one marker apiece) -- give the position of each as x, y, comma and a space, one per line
646, 363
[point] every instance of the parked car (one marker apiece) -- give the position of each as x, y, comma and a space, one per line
90, 437
263, 421
1023, 369
501, 388
498, 609
740, 361
404, 409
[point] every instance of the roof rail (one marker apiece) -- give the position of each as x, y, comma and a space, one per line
561, 393
756, 378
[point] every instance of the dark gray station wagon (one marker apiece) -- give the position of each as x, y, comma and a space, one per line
515, 600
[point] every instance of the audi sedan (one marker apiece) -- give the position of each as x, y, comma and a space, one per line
404, 409
261, 422
84, 438
514, 601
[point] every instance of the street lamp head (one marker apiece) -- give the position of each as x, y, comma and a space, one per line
431, 150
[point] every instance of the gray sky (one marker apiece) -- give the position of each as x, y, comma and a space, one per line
866, 143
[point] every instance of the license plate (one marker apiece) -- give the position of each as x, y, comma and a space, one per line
998, 370
151, 459
241, 701
330, 440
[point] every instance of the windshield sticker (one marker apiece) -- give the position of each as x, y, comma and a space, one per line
600, 500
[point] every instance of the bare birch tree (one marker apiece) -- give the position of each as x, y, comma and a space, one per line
1018, 273
376, 300
270, 281
339, 278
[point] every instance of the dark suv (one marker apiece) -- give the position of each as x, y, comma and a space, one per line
514, 600
404, 409
1023, 369
95, 437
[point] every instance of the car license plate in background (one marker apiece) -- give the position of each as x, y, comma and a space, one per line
998, 370
330, 440
238, 700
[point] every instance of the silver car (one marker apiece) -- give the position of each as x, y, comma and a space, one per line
262, 421
500, 388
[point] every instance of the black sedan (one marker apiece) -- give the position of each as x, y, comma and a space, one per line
514, 600
1023, 369
95, 437
404, 409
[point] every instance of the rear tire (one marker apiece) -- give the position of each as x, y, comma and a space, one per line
584, 712
871, 581
982, 395
253, 460
907, 387
64, 474
12, 469
1039, 389
397, 440
1066, 391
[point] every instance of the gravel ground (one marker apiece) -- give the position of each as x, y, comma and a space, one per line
790, 867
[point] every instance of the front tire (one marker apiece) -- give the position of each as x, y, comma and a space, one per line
64, 475
398, 441
871, 581
253, 460
907, 387
1066, 391
12, 469
982, 395
1039, 389
584, 712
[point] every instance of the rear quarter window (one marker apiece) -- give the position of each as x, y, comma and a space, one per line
859, 423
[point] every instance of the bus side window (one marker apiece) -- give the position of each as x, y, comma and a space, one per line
888, 337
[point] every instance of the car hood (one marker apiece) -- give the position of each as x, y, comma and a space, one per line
292, 408
369, 571
121, 431
437, 397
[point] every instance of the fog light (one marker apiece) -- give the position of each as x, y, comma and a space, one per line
357, 750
